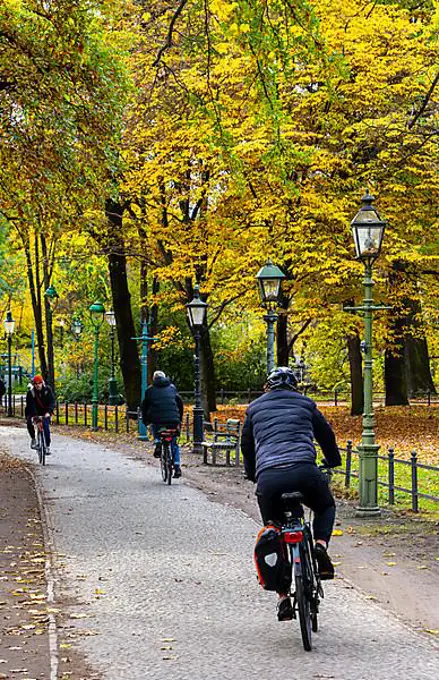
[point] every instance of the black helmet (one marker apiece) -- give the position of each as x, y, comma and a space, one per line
282, 376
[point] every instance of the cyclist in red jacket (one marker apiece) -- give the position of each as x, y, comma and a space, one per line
39, 402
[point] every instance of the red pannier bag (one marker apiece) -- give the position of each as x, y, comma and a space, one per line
271, 560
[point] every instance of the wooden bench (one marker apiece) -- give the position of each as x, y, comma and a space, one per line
226, 438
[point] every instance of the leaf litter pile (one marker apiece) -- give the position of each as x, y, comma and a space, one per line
23, 607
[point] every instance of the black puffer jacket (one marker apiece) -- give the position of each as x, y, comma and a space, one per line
162, 404
39, 403
279, 430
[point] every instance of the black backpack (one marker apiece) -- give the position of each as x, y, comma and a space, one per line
271, 560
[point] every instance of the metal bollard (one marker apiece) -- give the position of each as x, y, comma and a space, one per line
415, 493
347, 479
391, 464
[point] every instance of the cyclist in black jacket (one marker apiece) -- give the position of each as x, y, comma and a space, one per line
163, 407
39, 402
279, 454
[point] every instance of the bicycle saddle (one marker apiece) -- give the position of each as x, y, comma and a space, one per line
294, 497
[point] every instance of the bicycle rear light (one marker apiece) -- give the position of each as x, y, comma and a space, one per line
293, 536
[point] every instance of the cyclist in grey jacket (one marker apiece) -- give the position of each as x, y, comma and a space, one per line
279, 454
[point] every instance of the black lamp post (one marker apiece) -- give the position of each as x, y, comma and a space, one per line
77, 330
9, 325
368, 231
196, 311
112, 383
269, 279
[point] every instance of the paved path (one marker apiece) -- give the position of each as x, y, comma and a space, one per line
166, 579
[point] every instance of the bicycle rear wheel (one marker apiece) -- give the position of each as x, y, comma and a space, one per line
303, 600
166, 463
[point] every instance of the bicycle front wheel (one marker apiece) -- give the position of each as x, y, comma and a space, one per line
41, 448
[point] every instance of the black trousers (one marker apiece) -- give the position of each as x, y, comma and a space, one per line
311, 482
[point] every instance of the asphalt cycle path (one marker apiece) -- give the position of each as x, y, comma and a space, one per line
166, 582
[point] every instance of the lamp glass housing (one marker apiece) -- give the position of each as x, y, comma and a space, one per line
269, 279
196, 311
368, 230
77, 327
9, 324
97, 312
110, 318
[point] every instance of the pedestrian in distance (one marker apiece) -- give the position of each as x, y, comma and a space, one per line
39, 402
162, 407
2, 390
279, 455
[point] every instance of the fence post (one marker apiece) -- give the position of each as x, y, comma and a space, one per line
22, 407
215, 429
105, 417
127, 417
347, 479
188, 429
415, 496
391, 462
57, 412
116, 417
76, 412
335, 398
85, 413
67, 412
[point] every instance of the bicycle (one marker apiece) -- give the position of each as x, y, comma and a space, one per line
41, 446
297, 535
166, 456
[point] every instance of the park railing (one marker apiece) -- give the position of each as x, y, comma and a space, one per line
399, 476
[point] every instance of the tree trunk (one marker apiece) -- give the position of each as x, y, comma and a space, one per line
282, 343
355, 365
129, 357
48, 307
419, 377
395, 378
207, 369
36, 306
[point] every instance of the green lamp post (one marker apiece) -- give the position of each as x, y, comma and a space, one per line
368, 231
269, 279
113, 396
97, 313
77, 330
51, 297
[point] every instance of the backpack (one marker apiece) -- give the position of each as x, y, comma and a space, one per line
271, 560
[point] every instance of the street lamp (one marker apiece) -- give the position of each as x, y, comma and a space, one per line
196, 311
97, 312
77, 330
110, 317
269, 279
368, 231
51, 296
9, 325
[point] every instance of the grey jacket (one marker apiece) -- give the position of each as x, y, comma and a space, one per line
279, 430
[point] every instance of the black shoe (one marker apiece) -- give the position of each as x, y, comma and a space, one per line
157, 450
284, 610
325, 566
177, 472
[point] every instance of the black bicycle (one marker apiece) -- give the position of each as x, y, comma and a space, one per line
308, 591
41, 446
166, 457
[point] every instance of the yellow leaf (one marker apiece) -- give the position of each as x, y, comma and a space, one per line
337, 532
